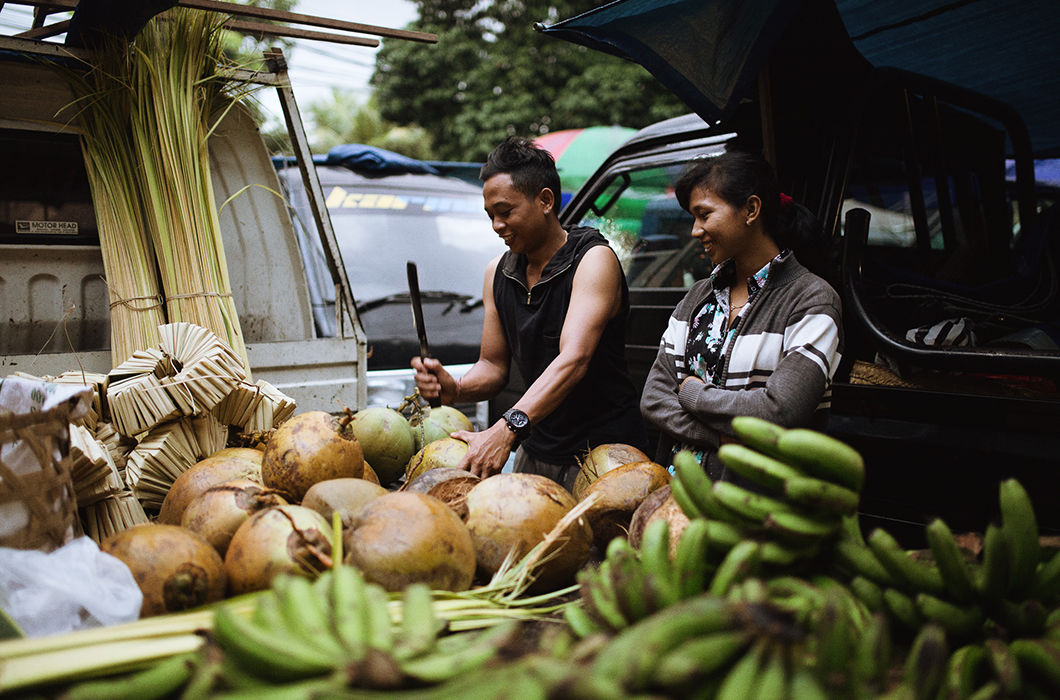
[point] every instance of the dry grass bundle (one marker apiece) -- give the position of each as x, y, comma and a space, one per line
112, 514
92, 469
178, 91
102, 109
116, 444
167, 452
207, 369
140, 403
274, 408
95, 381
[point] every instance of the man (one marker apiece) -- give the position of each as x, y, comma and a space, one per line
556, 304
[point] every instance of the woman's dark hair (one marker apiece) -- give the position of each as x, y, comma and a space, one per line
531, 168
735, 176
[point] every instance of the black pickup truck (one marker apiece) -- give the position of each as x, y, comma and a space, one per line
941, 240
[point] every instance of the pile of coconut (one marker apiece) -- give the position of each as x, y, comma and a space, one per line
408, 513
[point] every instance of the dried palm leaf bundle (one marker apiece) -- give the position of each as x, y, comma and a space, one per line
95, 381
180, 94
239, 406
102, 109
206, 368
139, 403
116, 444
274, 408
112, 514
91, 467
167, 452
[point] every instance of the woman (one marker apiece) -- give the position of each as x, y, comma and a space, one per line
761, 335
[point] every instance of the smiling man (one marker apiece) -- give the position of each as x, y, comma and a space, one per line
556, 305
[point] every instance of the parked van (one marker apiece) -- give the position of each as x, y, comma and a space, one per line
386, 210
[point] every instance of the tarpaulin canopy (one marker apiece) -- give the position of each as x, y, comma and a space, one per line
708, 51
579, 152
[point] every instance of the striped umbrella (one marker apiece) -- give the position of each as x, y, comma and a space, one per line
579, 152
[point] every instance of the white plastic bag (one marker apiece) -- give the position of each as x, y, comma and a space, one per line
75, 587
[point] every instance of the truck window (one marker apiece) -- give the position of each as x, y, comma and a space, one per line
638, 214
44, 193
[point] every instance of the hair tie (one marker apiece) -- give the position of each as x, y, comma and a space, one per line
785, 201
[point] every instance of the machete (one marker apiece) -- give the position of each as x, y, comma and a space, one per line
417, 317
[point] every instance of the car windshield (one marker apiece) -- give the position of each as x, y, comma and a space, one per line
447, 235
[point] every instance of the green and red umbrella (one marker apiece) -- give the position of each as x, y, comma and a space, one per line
579, 152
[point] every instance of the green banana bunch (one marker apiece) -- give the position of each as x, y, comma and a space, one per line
341, 627
630, 585
159, 681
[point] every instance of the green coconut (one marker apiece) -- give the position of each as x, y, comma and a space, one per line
386, 440
445, 453
437, 423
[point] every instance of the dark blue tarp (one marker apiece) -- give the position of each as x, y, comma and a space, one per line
708, 51
367, 160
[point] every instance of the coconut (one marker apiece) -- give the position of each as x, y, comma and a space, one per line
602, 459
432, 477
174, 568
347, 496
437, 423
514, 512
282, 539
671, 512
445, 453
402, 538
226, 465
453, 492
640, 516
310, 447
386, 440
217, 512
618, 494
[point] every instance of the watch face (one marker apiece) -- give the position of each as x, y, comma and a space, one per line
517, 419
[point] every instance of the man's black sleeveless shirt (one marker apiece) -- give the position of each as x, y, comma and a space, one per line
603, 407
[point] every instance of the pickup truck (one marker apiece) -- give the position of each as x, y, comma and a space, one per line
53, 295
947, 269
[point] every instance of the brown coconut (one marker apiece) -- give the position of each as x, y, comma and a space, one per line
447, 452
514, 512
369, 474
174, 568
671, 512
453, 492
619, 493
226, 465
310, 447
602, 459
346, 496
432, 477
280, 540
644, 511
401, 538
217, 512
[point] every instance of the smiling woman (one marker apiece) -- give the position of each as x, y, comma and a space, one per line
760, 336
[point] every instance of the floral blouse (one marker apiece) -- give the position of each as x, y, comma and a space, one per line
711, 333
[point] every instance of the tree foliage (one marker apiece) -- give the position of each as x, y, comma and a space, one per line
491, 75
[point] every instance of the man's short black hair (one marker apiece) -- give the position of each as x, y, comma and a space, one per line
531, 167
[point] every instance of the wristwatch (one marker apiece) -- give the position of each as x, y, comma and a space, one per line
518, 422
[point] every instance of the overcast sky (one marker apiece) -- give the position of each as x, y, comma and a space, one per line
316, 66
